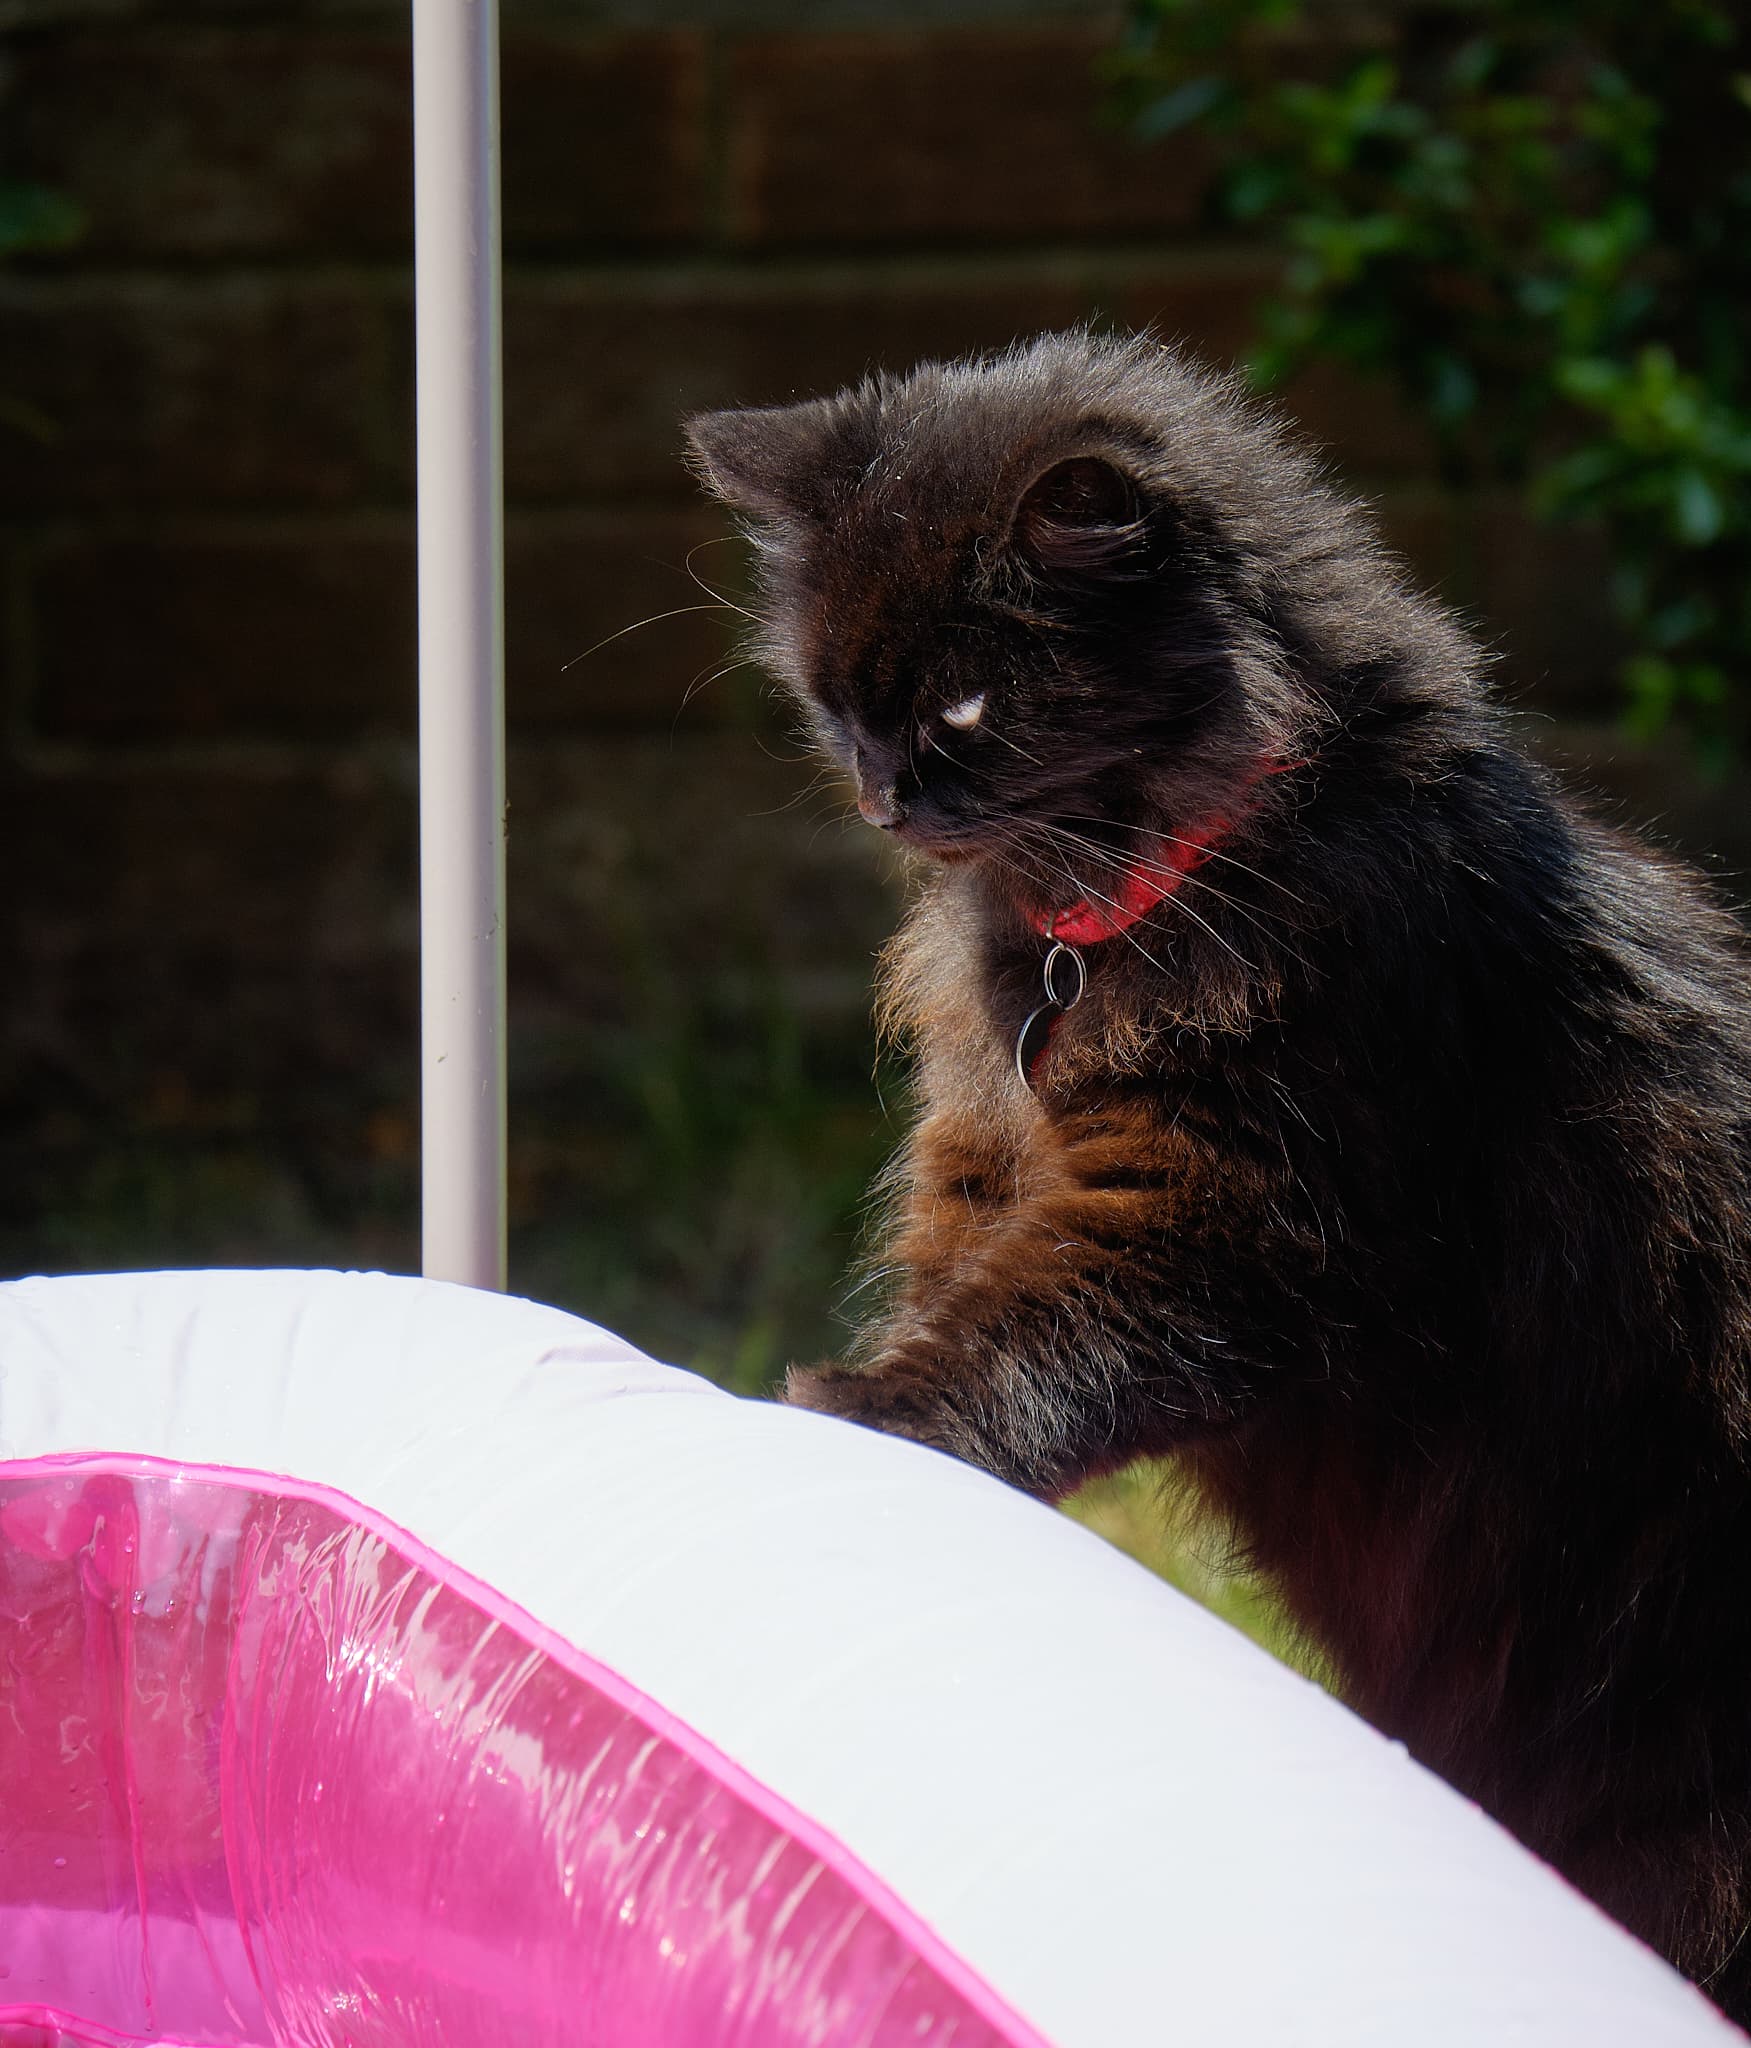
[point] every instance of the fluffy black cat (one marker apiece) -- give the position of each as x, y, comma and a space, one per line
1308, 1087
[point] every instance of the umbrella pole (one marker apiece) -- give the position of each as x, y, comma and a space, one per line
461, 641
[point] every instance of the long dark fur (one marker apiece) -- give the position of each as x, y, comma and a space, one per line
1395, 1171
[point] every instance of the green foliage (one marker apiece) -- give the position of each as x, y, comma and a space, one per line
32, 219
1534, 217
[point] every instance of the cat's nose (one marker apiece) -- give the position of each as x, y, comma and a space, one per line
881, 806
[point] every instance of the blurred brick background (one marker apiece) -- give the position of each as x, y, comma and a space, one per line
207, 604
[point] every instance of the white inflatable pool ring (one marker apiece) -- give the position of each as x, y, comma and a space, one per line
386, 1662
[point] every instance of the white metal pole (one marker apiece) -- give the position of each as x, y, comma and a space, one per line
461, 639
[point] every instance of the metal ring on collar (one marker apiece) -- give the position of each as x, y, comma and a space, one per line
1062, 951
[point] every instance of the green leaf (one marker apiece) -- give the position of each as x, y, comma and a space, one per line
1652, 685
1181, 107
1453, 390
1698, 513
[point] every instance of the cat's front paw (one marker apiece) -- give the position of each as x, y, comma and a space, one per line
878, 1400
902, 1399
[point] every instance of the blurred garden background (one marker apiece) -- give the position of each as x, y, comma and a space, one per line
1494, 257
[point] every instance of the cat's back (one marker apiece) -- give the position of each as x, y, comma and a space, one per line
1670, 927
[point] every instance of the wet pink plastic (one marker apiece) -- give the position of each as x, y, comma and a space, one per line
270, 1771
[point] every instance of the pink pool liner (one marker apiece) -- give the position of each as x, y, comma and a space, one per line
273, 1771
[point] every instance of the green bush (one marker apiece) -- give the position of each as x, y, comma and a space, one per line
1534, 217
32, 221
33, 218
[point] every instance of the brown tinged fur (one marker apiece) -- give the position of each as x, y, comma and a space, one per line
1395, 1171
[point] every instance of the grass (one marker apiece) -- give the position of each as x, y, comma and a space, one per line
1150, 1514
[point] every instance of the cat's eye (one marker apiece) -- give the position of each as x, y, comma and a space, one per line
966, 713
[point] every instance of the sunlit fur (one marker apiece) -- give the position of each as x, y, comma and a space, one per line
1395, 1170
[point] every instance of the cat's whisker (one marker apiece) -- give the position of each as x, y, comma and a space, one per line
1014, 746
716, 540
813, 787
728, 603
654, 619
1183, 879
1030, 873
703, 681
1179, 903
1180, 879
846, 817
699, 683
1211, 852
1174, 898
1107, 856
804, 752
1257, 920
1125, 932
1215, 854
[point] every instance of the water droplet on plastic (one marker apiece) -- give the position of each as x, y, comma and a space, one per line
60, 1862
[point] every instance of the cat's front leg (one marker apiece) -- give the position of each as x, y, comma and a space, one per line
957, 1185
1020, 1392
1144, 1300
1034, 1391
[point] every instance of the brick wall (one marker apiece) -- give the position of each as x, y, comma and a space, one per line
207, 626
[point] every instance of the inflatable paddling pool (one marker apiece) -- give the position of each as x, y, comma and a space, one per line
386, 1662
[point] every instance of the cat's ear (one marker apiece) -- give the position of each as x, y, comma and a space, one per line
764, 460
1082, 517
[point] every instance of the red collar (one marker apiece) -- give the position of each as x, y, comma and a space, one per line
1149, 880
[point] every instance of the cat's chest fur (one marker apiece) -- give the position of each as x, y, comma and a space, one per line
962, 986
1127, 1093
960, 967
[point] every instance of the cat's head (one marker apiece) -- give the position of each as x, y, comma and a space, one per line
1030, 602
